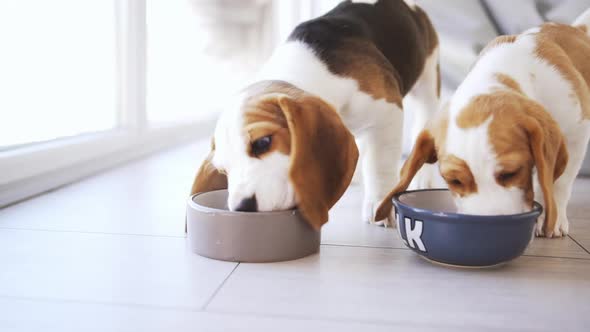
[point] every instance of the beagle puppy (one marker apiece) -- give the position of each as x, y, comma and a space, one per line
516, 129
290, 138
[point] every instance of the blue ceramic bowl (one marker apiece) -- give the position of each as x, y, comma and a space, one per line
429, 225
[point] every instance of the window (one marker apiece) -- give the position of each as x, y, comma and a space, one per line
88, 84
198, 52
58, 68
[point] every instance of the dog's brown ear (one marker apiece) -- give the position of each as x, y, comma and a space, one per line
208, 177
424, 151
550, 155
323, 156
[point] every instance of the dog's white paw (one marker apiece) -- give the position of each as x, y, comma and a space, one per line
370, 210
561, 227
539, 226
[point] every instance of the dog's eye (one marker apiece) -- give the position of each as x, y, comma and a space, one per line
455, 182
506, 176
261, 145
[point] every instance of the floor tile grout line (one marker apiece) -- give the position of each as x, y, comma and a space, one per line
88, 232
201, 310
193, 310
322, 244
360, 246
320, 318
302, 318
557, 257
408, 250
210, 299
579, 244
102, 303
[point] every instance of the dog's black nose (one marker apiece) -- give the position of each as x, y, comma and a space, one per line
248, 205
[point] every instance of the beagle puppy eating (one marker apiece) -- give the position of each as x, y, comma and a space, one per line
290, 138
516, 129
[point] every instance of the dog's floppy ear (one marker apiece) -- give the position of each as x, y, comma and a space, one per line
550, 155
323, 155
208, 177
424, 151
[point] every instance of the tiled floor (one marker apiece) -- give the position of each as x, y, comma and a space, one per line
109, 254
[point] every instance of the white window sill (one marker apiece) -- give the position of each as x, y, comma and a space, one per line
30, 170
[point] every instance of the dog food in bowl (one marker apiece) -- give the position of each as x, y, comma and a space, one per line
429, 225
254, 237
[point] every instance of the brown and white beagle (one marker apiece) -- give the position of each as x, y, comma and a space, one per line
516, 129
289, 139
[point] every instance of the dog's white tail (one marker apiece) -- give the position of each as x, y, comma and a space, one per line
583, 21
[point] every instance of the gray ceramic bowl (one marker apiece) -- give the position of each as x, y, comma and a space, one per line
254, 237
429, 225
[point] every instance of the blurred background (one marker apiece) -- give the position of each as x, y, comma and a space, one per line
88, 84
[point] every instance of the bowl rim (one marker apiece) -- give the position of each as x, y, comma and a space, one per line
536, 211
206, 209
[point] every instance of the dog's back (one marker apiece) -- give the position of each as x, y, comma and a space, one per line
402, 34
567, 48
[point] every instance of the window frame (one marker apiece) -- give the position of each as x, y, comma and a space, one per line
30, 169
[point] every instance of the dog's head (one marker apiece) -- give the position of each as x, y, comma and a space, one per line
278, 148
487, 153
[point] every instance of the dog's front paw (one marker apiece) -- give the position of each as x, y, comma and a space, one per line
370, 211
561, 227
539, 226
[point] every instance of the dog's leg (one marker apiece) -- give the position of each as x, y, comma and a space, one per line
422, 101
562, 190
541, 199
381, 149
